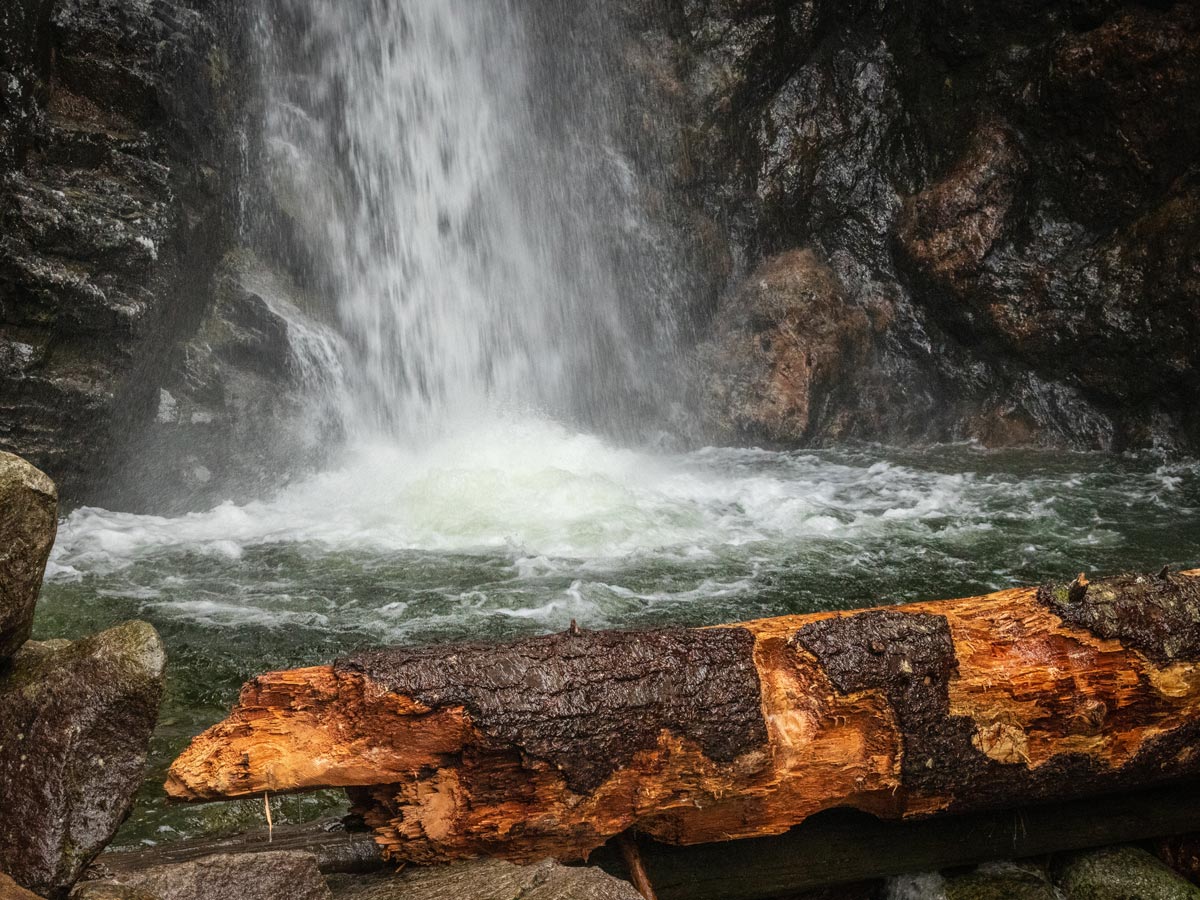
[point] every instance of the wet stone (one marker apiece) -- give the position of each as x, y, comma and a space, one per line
488, 880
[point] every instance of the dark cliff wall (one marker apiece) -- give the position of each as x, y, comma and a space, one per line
952, 219
116, 167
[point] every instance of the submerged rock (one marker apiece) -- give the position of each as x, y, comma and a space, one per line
284, 875
75, 725
28, 521
488, 879
1121, 873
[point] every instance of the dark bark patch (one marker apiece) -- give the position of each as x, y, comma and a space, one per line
910, 658
1157, 615
586, 702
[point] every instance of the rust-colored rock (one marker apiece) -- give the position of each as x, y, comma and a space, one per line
948, 229
782, 345
906, 711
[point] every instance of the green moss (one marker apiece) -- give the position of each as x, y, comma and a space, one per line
1122, 873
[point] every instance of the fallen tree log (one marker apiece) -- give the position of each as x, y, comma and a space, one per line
549, 746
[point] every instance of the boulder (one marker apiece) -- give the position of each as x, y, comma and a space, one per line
285, 875
488, 879
28, 521
1121, 873
75, 725
783, 344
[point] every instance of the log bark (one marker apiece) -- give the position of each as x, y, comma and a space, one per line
552, 745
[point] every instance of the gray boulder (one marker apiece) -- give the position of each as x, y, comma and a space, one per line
28, 521
75, 725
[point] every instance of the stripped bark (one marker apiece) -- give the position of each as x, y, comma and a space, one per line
552, 745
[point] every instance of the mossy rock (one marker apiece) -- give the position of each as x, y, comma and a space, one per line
1121, 873
1002, 881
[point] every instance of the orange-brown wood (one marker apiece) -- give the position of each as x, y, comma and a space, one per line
862, 711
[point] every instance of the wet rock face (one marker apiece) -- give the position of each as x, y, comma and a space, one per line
28, 522
23, 60
75, 724
113, 212
1016, 182
949, 229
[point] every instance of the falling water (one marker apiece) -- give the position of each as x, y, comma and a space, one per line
460, 218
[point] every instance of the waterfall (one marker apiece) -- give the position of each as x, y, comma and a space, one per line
461, 214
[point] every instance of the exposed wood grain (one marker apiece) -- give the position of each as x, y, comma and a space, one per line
977, 703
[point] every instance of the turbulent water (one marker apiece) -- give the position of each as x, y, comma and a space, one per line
518, 526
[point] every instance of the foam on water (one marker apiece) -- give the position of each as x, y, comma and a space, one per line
541, 493
540, 520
